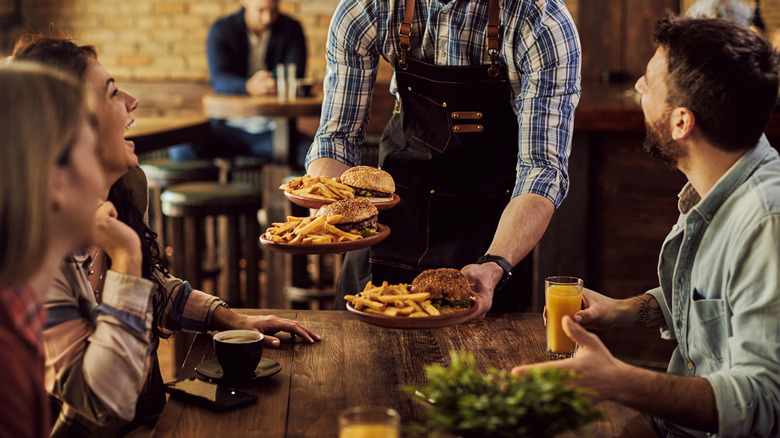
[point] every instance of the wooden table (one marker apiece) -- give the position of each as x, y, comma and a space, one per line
360, 364
152, 133
283, 112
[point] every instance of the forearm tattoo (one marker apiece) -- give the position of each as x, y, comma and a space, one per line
648, 312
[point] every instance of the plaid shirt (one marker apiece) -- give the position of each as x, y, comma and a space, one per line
27, 315
540, 48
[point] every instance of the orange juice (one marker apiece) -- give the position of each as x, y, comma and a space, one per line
369, 431
561, 299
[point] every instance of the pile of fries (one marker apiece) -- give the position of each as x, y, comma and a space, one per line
308, 230
319, 187
393, 300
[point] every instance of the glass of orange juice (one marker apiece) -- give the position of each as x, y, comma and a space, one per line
562, 296
369, 422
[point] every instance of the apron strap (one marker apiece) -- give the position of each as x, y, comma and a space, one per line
405, 35
405, 32
492, 37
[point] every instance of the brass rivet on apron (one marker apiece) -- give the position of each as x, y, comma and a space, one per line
432, 191
444, 104
455, 115
456, 128
479, 115
507, 192
480, 127
409, 88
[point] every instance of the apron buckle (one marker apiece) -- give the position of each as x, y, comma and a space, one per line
493, 71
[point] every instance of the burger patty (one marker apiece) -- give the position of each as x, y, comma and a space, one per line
347, 226
371, 193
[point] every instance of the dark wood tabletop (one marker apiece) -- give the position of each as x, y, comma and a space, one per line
361, 364
152, 133
221, 106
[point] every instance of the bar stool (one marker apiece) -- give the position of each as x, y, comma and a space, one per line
163, 173
187, 206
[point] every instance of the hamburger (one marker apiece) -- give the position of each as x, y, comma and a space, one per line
369, 182
358, 215
448, 287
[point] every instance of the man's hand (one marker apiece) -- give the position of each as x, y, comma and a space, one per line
225, 319
593, 362
599, 313
483, 280
117, 240
261, 84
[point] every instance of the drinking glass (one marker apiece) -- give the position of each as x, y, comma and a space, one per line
281, 81
562, 296
369, 422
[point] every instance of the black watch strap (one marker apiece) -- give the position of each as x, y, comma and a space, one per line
500, 261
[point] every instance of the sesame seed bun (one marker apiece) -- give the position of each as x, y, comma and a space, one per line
369, 179
352, 211
444, 283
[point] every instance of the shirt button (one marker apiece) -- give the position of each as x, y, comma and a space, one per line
709, 216
442, 54
675, 227
690, 366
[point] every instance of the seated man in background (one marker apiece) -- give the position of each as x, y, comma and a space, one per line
244, 50
707, 96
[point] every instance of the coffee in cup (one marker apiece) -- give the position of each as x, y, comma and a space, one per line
238, 351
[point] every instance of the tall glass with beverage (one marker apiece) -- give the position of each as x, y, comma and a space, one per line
369, 422
562, 296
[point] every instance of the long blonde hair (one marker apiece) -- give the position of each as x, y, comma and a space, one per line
41, 112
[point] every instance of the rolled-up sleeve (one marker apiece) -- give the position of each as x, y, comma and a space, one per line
352, 61
748, 392
667, 331
549, 55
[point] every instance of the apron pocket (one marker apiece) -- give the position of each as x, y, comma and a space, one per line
426, 121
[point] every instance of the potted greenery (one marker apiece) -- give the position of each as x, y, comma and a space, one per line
466, 403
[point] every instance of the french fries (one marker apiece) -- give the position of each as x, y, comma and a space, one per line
393, 300
312, 230
319, 187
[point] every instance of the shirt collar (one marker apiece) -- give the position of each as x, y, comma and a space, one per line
690, 200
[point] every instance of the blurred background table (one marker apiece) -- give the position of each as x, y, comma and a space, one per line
154, 133
283, 112
361, 364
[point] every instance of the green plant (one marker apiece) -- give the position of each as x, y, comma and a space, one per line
467, 403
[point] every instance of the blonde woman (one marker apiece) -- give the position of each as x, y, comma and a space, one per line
47, 161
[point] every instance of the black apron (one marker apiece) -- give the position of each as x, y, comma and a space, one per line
451, 147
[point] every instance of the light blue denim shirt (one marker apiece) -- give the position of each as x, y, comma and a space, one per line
719, 271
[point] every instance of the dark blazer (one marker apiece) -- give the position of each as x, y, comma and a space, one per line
228, 50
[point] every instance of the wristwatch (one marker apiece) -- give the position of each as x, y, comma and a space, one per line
500, 261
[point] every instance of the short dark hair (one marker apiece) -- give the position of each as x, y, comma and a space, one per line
725, 73
60, 53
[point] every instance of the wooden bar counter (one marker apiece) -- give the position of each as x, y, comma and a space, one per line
361, 364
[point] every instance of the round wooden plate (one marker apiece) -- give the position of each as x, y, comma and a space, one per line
303, 201
328, 248
451, 317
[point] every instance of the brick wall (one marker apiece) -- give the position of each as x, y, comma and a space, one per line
156, 40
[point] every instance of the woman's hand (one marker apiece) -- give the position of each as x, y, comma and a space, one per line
225, 319
117, 240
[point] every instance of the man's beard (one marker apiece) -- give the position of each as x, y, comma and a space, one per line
659, 143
